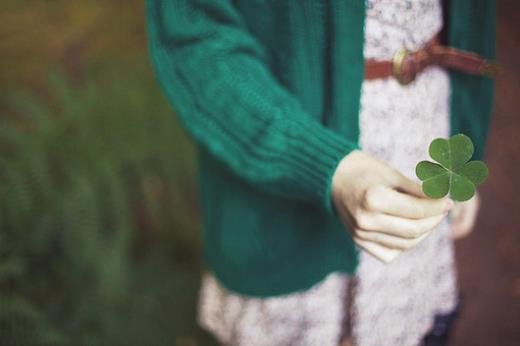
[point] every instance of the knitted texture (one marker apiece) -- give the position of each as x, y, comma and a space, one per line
472, 96
270, 91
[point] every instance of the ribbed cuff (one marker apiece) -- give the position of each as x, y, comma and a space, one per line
319, 154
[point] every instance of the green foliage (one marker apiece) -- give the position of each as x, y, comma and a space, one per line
453, 173
99, 229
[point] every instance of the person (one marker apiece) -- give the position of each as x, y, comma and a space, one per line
309, 118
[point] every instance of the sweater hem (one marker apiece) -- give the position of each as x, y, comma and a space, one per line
262, 286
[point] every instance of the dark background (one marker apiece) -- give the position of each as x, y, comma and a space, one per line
99, 226
489, 259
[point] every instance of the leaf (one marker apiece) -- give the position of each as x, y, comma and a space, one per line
476, 171
452, 153
462, 188
427, 169
461, 150
453, 173
440, 151
437, 187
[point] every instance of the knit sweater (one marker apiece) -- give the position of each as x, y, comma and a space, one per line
269, 90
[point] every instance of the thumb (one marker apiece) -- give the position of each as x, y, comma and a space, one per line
407, 185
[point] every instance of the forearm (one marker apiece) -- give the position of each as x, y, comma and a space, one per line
214, 74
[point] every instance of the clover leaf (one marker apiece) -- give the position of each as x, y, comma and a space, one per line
453, 173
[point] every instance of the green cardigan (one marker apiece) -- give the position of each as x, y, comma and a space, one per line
269, 90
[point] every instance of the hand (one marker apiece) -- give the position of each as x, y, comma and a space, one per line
463, 216
386, 212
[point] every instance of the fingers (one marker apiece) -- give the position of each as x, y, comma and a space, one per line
380, 198
390, 241
464, 217
383, 254
386, 240
397, 226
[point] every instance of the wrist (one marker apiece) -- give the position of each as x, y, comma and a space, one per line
338, 177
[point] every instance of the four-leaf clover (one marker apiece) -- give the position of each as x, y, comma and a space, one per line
453, 173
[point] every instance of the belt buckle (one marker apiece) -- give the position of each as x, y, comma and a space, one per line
397, 64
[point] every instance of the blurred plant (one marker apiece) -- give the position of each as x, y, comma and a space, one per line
99, 240
74, 33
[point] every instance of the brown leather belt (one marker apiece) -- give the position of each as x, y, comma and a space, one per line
406, 65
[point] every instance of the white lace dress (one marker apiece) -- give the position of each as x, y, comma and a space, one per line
384, 304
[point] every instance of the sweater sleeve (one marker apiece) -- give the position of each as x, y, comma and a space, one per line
214, 74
